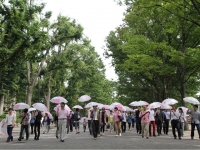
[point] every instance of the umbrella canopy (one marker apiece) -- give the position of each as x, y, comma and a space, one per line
154, 105
82, 119
40, 107
58, 100
169, 101
184, 109
3, 130
66, 107
128, 109
91, 104
103, 106
84, 98
118, 105
139, 103
31, 109
77, 107
191, 100
19, 106
165, 106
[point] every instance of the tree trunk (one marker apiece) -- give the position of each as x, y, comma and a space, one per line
1, 99
48, 95
29, 95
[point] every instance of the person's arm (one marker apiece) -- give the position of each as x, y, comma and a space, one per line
57, 112
14, 120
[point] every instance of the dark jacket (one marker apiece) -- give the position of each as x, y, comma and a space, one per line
159, 116
48, 120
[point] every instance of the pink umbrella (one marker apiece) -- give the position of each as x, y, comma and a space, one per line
19, 106
78, 107
118, 105
58, 100
84, 98
40, 107
165, 106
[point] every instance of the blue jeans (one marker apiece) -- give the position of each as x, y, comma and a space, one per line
9, 131
193, 127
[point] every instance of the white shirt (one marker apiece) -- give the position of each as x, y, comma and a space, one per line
89, 113
29, 118
174, 115
182, 117
124, 116
151, 117
10, 119
167, 114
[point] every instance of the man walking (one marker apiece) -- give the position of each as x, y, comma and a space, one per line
159, 120
95, 121
138, 120
62, 114
195, 114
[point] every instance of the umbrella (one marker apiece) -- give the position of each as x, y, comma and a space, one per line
66, 107
128, 109
118, 105
3, 130
169, 101
184, 109
19, 106
140, 103
78, 107
82, 119
191, 100
84, 98
58, 100
31, 109
165, 106
91, 104
133, 103
154, 105
103, 106
40, 107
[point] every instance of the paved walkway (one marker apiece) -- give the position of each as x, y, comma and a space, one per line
128, 140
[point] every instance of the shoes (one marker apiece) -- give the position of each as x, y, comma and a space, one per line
116, 135
35, 138
154, 135
95, 138
103, 134
12, 138
174, 137
8, 141
147, 137
22, 137
19, 139
179, 138
120, 134
142, 136
56, 136
84, 130
192, 138
62, 140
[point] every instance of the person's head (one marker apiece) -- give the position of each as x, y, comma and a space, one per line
195, 107
180, 110
25, 110
158, 108
103, 109
84, 119
173, 107
95, 107
70, 112
62, 104
115, 109
77, 109
110, 111
139, 107
46, 114
145, 108
130, 113
10, 110
166, 110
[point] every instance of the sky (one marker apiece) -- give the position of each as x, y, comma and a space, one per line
98, 18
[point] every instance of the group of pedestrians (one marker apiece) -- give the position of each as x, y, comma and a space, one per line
98, 121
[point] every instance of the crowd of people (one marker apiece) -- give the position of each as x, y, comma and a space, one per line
145, 120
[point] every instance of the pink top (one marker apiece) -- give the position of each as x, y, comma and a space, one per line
145, 118
116, 114
62, 114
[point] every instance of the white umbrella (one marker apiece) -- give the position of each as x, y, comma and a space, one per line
77, 107
133, 103
128, 108
165, 106
84, 98
58, 100
91, 104
31, 109
169, 101
191, 100
19, 106
154, 105
140, 103
40, 107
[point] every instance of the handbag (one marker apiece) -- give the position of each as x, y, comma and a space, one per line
121, 118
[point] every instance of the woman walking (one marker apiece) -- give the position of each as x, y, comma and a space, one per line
103, 117
182, 120
111, 121
32, 122
117, 116
38, 117
144, 115
46, 122
10, 121
129, 120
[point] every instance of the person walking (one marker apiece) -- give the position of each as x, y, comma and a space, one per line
62, 114
111, 121
89, 122
144, 115
117, 120
32, 122
84, 124
138, 120
10, 121
38, 117
133, 120
46, 123
195, 122
129, 120
76, 118
166, 122
103, 117
175, 122
182, 120
159, 120
123, 122
24, 124
95, 116
152, 122
71, 121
